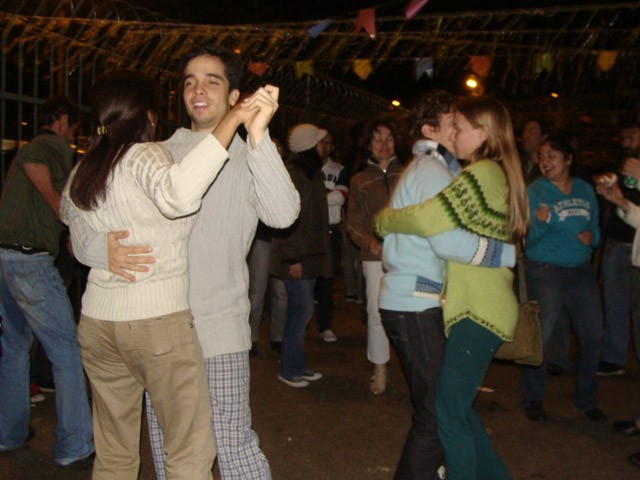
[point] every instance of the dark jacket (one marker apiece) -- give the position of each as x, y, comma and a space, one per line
307, 240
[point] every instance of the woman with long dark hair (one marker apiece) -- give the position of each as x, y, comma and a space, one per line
564, 232
481, 311
140, 336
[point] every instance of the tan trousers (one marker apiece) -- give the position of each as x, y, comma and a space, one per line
161, 355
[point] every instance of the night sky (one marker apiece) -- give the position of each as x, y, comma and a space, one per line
225, 12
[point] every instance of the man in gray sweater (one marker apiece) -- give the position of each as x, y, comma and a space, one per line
253, 185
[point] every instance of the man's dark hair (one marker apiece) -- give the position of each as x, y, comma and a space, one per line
545, 127
428, 109
54, 108
234, 66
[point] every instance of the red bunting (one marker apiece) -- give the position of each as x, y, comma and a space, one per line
480, 65
414, 7
367, 20
258, 68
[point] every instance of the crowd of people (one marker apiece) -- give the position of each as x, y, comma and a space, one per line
186, 238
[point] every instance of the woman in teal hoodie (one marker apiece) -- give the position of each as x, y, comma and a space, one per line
564, 231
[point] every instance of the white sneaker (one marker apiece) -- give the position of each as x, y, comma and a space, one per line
311, 375
328, 336
295, 382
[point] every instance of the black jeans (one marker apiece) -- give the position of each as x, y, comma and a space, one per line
324, 296
419, 340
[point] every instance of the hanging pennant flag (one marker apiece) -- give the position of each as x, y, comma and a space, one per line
367, 20
258, 68
543, 61
362, 68
424, 65
318, 28
414, 7
480, 65
304, 68
606, 59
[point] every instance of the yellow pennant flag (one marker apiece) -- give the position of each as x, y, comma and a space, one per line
606, 59
362, 68
304, 68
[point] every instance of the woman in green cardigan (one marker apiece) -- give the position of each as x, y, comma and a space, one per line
488, 198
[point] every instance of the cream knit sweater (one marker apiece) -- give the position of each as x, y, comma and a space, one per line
152, 198
253, 185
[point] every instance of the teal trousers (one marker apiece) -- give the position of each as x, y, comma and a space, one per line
469, 453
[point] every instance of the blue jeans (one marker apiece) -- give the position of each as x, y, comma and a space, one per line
279, 303
621, 294
33, 300
468, 451
558, 350
299, 312
419, 340
574, 289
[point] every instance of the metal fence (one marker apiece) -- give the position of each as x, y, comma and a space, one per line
59, 47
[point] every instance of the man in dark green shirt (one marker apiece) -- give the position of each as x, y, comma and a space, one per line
33, 299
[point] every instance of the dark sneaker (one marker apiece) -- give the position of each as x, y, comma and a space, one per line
254, 349
276, 347
594, 414
606, 369
535, 412
311, 375
626, 427
295, 382
635, 459
85, 463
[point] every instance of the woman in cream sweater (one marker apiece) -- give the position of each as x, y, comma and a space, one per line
140, 336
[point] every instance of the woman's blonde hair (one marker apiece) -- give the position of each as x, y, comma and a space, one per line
500, 146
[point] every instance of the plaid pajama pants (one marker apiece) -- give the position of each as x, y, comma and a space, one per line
239, 455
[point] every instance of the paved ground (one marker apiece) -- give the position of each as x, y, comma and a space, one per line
337, 430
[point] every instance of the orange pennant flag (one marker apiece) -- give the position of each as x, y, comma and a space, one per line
606, 59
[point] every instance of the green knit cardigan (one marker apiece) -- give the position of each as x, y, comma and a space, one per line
476, 201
